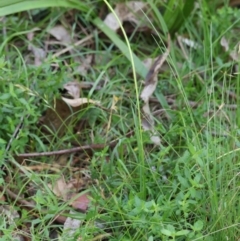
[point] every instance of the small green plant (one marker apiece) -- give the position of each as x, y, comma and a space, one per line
186, 188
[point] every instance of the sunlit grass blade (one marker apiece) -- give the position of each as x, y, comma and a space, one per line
140, 68
11, 7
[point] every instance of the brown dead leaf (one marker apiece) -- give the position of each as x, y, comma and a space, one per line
2, 197
71, 225
234, 3
224, 43
130, 11
73, 89
61, 34
68, 192
81, 202
38, 53
85, 64
10, 213
149, 88
60, 188
59, 117
80, 101
234, 54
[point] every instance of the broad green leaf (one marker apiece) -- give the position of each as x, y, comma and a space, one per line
182, 232
198, 225
166, 232
5, 3
171, 228
2, 141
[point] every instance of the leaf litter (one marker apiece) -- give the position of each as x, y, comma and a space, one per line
74, 89
233, 54
38, 53
61, 34
73, 191
58, 117
129, 11
64, 110
150, 85
67, 191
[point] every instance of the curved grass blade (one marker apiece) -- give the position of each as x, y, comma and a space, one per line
16, 6
140, 68
182, 16
175, 16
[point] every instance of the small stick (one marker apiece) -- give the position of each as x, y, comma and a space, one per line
71, 150
69, 48
74, 149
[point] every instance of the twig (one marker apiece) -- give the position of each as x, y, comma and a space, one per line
87, 38
16, 197
74, 149
65, 151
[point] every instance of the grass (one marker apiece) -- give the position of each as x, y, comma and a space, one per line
187, 189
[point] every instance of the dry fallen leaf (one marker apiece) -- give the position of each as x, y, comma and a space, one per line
70, 226
81, 202
9, 213
58, 119
130, 11
73, 89
60, 188
38, 53
234, 3
80, 101
149, 88
67, 192
224, 43
2, 197
85, 64
234, 54
61, 34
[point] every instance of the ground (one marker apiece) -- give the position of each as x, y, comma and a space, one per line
120, 128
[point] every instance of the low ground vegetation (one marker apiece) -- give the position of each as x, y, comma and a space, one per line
102, 139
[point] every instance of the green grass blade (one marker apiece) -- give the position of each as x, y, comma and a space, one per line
169, 15
140, 68
159, 17
182, 16
16, 6
175, 16
5, 3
